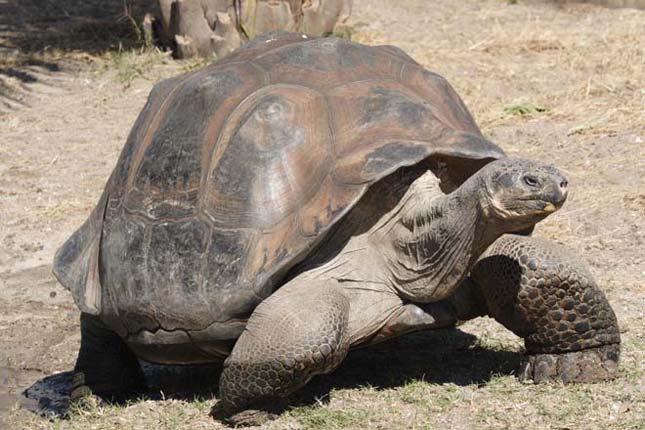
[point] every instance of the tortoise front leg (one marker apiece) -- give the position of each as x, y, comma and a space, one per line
545, 294
298, 332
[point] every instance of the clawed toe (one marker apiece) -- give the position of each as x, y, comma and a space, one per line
589, 365
82, 398
250, 417
253, 416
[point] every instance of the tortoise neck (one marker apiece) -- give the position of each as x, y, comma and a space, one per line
432, 239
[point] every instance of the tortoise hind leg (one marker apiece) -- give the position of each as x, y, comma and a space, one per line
105, 365
298, 332
546, 295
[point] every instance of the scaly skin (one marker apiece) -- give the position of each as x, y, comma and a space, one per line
537, 289
299, 332
545, 294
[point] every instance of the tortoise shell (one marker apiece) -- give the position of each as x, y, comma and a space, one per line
234, 172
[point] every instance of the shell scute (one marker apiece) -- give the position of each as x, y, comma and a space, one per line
329, 202
166, 170
442, 100
226, 282
124, 239
271, 155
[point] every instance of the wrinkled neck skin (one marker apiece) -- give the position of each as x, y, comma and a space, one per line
431, 240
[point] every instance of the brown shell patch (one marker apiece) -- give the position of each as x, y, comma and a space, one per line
441, 98
331, 200
369, 111
273, 152
262, 44
327, 62
166, 172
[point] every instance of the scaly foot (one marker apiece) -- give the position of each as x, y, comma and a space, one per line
587, 365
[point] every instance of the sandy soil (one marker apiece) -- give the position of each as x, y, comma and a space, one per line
579, 71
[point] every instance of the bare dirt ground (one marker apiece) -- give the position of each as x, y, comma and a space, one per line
560, 83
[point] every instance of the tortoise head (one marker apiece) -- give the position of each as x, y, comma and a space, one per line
519, 193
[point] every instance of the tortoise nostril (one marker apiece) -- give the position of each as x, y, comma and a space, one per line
564, 184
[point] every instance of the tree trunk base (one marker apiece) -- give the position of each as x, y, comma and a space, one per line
214, 28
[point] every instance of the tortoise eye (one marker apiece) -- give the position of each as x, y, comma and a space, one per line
531, 181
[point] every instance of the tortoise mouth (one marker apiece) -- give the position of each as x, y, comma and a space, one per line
549, 204
549, 207
529, 210
553, 201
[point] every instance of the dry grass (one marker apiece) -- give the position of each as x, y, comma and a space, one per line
578, 61
431, 395
134, 64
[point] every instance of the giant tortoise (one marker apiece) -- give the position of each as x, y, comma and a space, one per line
302, 197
